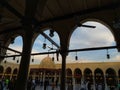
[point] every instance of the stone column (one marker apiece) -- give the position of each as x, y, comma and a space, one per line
73, 82
63, 73
94, 83
105, 82
25, 59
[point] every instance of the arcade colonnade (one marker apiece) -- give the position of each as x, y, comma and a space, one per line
64, 26
106, 74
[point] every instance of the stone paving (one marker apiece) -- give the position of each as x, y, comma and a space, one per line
76, 87
48, 88
55, 88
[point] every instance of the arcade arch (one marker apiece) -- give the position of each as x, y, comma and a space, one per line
83, 37
99, 79
43, 42
15, 72
8, 72
69, 75
111, 78
77, 75
88, 75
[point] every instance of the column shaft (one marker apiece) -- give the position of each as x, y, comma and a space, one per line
63, 73
25, 60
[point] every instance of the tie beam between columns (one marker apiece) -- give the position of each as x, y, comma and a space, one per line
73, 50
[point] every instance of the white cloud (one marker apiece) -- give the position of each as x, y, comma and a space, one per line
86, 37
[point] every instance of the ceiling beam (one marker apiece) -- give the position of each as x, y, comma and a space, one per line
94, 48
10, 30
11, 9
73, 50
10, 49
15, 12
79, 13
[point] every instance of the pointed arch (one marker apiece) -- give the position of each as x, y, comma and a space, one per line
77, 75
111, 79
99, 78
83, 37
45, 38
8, 72
15, 72
17, 44
88, 76
68, 75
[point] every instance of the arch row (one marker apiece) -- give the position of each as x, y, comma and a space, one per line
76, 76
14, 35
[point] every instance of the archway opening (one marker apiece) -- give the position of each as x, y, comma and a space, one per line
7, 73
15, 72
91, 38
69, 76
16, 45
77, 76
44, 42
111, 79
99, 79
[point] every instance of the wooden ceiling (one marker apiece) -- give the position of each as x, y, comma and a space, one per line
12, 12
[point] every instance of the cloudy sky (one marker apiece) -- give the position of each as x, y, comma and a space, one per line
81, 38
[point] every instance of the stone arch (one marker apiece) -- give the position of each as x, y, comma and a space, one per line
15, 72
41, 38
93, 20
99, 78
8, 72
1, 71
9, 40
16, 40
68, 72
88, 75
77, 75
99, 21
111, 78
69, 75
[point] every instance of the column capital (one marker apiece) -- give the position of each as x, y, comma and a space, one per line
64, 52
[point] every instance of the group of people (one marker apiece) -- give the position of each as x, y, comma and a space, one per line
32, 83
7, 84
86, 85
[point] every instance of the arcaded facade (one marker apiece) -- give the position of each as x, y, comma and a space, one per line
105, 73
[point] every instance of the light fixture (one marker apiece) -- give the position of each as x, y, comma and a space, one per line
33, 59
5, 61
57, 55
51, 33
108, 55
14, 57
44, 44
76, 57
18, 61
53, 58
